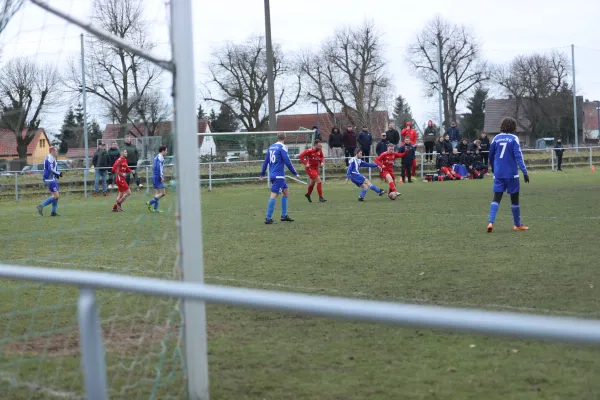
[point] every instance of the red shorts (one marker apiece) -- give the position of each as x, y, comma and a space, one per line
122, 185
313, 173
384, 173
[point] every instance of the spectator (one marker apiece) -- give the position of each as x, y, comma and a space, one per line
335, 146
349, 141
468, 160
455, 156
444, 165
113, 155
558, 149
410, 132
317, 132
429, 139
393, 136
443, 144
407, 160
382, 145
100, 162
475, 146
463, 146
132, 160
485, 147
454, 133
478, 164
365, 140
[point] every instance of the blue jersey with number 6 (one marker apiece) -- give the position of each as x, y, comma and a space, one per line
277, 159
506, 156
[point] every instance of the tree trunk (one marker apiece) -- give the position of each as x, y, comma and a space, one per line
22, 145
123, 125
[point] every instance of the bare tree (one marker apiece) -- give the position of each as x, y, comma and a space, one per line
116, 76
539, 85
27, 90
462, 66
150, 111
348, 72
239, 72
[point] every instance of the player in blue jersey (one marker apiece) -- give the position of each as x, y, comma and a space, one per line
506, 159
358, 179
51, 175
158, 179
277, 159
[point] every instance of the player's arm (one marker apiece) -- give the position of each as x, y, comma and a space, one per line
379, 160
126, 166
519, 157
263, 171
370, 165
492, 154
54, 170
400, 154
322, 157
302, 156
288, 162
115, 166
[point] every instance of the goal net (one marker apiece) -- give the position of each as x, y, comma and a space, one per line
39, 335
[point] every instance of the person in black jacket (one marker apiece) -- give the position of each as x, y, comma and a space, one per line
407, 160
336, 146
478, 164
463, 146
113, 155
484, 144
365, 140
382, 145
468, 160
349, 141
559, 150
455, 156
100, 162
393, 136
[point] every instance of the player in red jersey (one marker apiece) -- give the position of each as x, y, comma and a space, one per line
411, 133
120, 168
386, 161
312, 159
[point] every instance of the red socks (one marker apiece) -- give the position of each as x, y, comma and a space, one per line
319, 189
392, 187
310, 189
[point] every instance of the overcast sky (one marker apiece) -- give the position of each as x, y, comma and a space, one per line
505, 28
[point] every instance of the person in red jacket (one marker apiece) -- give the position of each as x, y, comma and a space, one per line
412, 135
312, 159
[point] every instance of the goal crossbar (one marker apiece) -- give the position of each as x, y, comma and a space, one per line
252, 133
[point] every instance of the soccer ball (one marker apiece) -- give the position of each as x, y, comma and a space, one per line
393, 196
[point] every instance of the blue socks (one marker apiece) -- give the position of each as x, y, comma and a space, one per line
54, 205
374, 188
516, 212
47, 201
493, 211
270, 208
155, 202
362, 193
284, 206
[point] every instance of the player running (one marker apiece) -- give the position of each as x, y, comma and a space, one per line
120, 169
51, 175
277, 159
313, 158
158, 179
358, 179
385, 161
506, 159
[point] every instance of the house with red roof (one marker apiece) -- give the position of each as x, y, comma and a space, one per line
36, 151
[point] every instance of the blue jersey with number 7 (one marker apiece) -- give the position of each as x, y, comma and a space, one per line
506, 156
277, 159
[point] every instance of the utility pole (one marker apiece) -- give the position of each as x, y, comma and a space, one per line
574, 100
85, 127
439, 51
270, 77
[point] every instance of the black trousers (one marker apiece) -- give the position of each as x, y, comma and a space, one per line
486, 157
406, 170
349, 153
429, 150
559, 159
366, 154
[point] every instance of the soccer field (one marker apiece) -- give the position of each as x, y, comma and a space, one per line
427, 247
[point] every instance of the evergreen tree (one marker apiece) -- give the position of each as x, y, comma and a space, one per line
226, 121
68, 132
201, 114
94, 133
402, 112
474, 121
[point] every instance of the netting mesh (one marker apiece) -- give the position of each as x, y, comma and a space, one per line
39, 335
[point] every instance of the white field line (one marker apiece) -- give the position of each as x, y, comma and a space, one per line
331, 291
36, 388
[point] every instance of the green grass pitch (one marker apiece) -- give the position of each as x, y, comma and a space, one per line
427, 247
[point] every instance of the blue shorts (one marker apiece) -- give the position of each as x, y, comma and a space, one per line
157, 183
52, 186
357, 179
508, 185
278, 184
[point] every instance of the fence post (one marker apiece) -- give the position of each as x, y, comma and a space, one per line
323, 172
369, 173
147, 182
552, 157
591, 163
422, 172
92, 348
17, 186
209, 177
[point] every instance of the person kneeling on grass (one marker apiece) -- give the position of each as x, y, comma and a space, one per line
358, 179
444, 164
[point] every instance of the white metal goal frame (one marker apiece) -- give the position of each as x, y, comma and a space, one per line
195, 293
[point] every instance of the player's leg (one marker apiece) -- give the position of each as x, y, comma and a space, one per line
55, 197
500, 187
514, 189
320, 189
276, 188
392, 185
311, 184
373, 187
284, 204
364, 188
159, 195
